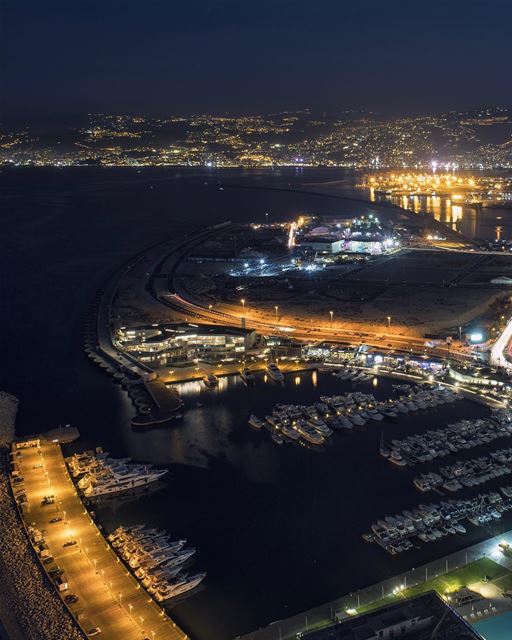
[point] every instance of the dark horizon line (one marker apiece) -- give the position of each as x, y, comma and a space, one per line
7, 118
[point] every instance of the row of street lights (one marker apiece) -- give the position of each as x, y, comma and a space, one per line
242, 302
276, 309
93, 561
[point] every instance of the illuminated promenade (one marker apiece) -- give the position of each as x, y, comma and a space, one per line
109, 596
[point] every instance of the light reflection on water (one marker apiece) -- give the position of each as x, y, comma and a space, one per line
472, 222
298, 511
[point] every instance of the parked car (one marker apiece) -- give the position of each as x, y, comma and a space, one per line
71, 598
69, 543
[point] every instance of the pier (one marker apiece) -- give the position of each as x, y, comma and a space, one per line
109, 597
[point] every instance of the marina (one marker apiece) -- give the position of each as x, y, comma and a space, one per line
459, 436
304, 503
155, 561
431, 522
313, 424
96, 474
467, 473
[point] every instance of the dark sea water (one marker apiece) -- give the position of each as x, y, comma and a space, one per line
277, 529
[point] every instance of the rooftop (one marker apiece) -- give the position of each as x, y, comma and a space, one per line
429, 608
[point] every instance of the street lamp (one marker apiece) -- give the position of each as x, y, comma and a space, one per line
243, 303
389, 321
331, 314
276, 309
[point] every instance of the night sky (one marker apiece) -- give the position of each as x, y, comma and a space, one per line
248, 56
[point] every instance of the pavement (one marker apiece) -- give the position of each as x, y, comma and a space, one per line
109, 596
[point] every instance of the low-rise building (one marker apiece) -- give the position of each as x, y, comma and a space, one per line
322, 244
480, 376
167, 344
413, 619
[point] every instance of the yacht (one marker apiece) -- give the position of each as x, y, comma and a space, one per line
289, 432
357, 419
309, 434
111, 479
157, 580
211, 381
256, 422
247, 375
274, 372
179, 585
167, 558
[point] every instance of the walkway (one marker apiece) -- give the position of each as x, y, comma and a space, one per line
109, 596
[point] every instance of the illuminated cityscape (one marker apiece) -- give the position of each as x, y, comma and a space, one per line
477, 139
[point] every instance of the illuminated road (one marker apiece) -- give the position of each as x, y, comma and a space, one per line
160, 272
226, 316
109, 596
303, 331
500, 347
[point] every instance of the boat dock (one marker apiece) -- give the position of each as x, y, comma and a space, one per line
108, 596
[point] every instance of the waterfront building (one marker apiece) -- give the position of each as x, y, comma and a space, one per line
475, 375
166, 344
322, 244
372, 246
363, 235
412, 619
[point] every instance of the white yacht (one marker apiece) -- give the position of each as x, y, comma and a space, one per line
167, 557
109, 479
179, 585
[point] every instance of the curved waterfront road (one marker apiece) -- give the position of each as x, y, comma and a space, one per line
167, 265
499, 350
